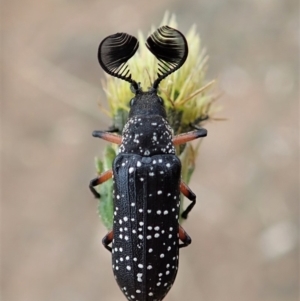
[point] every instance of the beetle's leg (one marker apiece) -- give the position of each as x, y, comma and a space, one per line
184, 237
97, 181
107, 239
187, 192
113, 138
189, 136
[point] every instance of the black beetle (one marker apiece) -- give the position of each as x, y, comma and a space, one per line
146, 173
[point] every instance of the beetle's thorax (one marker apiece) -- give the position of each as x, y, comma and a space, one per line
147, 132
147, 136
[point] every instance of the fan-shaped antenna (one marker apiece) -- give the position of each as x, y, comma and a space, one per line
171, 49
114, 52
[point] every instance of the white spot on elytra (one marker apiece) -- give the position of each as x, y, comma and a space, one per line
139, 277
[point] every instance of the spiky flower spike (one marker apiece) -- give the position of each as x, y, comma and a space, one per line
184, 92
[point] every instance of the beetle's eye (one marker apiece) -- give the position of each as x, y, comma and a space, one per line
132, 101
160, 100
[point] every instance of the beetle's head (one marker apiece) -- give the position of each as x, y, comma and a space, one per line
167, 44
147, 103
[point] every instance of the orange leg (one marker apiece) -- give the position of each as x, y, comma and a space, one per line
107, 239
97, 181
184, 237
189, 136
188, 193
113, 138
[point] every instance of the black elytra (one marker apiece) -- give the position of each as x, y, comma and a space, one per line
146, 173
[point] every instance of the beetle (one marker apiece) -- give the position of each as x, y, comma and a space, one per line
146, 173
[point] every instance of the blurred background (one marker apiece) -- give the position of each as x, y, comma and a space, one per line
245, 225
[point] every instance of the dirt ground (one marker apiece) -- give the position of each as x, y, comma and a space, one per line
245, 225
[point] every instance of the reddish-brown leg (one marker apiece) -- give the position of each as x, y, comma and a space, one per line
107, 239
189, 136
184, 237
97, 181
113, 138
188, 193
